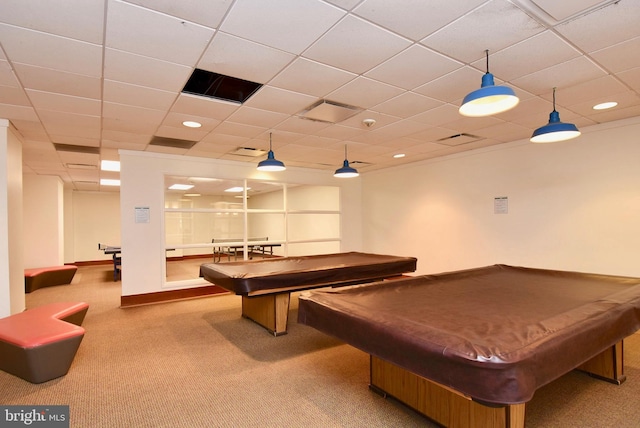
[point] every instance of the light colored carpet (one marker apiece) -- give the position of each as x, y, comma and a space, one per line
197, 363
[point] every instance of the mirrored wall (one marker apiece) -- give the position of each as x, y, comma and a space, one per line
217, 220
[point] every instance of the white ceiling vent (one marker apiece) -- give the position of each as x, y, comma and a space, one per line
459, 139
248, 151
329, 111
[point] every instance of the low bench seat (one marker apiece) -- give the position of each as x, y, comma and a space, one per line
47, 276
40, 344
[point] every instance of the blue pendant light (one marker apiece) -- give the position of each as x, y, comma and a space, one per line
489, 99
554, 130
271, 163
346, 171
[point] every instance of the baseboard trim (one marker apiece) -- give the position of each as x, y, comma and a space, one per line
170, 296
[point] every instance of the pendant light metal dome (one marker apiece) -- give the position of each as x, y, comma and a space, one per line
346, 171
271, 163
489, 99
555, 130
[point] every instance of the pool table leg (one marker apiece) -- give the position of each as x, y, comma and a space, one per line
270, 311
439, 403
608, 365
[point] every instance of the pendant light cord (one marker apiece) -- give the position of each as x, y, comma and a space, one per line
486, 51
554, 98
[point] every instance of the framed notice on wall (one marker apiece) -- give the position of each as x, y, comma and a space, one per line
142, 214
501, 205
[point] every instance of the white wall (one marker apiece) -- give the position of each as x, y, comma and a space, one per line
12, 296
142, 185
43, 221
572, 205
96, 219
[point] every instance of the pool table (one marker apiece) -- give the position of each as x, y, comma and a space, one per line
469, 348
265, 285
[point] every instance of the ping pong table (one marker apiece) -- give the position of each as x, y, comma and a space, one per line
235, 247
115, 254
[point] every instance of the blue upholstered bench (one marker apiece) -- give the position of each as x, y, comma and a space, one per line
40, 344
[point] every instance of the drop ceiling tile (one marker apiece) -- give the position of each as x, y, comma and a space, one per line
14, 112
631, 78
204, 107
202, 12
602, 87
145, 32
432, 134
299, 125
390, 132
144, 71
345, 4
624, 100
504, 132
131, 126
407, 104
438, 116
13, 95
415, 19
289, 25
136, 95
616, 57
616, 114
82, 20
363, 92
176, 119
312, 78
126, 112
380, 118
568, 73
453, 86
123, 145
494, 26
257, 117
356, 46
604, 27
413, 67
31, 130
181, 133
7, 78
120, 136
54, 52
561, 10
339, 131
243, 59
48, 80
240, 130
533, 54
280, 100
64, 103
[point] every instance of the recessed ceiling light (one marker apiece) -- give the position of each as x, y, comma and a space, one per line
109, 165
604, 106
191, 124
180, 186
191, 194
109, 182
399, 155
236, 189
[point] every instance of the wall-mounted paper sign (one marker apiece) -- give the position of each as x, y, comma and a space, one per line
501, 205
142, 214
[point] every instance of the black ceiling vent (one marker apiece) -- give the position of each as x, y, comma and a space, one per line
214, 85
172, 142
76, 149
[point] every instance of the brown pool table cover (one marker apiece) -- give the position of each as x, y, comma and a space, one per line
495, 333
282, 273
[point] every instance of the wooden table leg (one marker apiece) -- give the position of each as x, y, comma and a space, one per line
270, 311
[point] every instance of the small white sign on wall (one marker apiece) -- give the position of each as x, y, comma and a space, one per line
501, 205
142, 214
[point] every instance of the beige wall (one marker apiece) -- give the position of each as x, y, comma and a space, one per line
96, 219
572, 205
12, 297
43, 205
